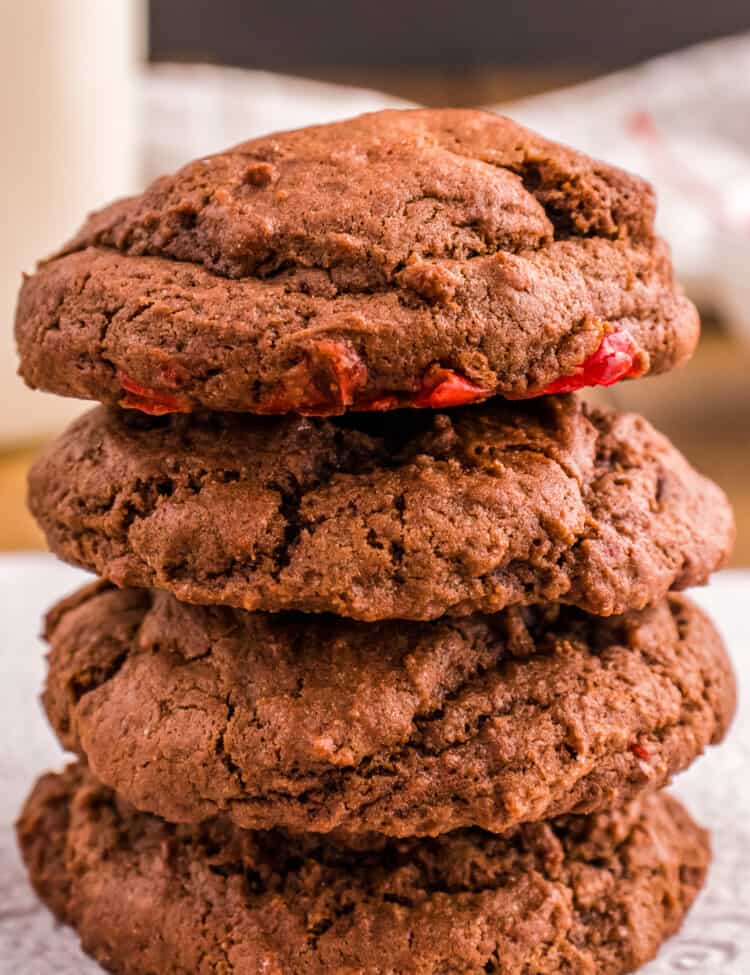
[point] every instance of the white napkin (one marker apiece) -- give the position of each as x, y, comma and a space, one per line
714, 941
191, 110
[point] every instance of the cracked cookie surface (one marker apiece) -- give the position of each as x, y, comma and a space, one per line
574, 895
339, 267
400, 728
402, 515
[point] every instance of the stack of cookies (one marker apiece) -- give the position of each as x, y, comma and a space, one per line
385, 667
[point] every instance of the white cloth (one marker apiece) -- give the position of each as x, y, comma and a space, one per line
191, 110
714, 941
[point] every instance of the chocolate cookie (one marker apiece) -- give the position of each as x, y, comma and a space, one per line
411, 514
576, 895
423, 258
400, 728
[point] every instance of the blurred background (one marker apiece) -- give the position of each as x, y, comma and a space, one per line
98, 98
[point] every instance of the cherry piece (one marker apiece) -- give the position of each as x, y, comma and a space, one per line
292, 390
442, 388
617, 357
641, 752
151, 401
323, 384
379, 405
346, 368
643, 757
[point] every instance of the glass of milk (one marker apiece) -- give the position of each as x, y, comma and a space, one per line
68, 117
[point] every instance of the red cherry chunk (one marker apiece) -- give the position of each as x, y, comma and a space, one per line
442, 388
322, 384
640, 752
151, 401
378, 405
617, 357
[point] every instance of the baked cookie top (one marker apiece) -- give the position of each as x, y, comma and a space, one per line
410, 514
574, 895
423, 258
318, 723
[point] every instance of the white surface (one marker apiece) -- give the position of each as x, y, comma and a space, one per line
715, 940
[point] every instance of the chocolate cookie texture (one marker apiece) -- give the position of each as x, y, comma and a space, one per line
405, 729
575, 895
424, 258
413, 516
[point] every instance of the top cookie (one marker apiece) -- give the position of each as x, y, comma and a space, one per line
424, 258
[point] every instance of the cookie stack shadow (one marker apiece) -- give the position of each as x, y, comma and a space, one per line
387, 664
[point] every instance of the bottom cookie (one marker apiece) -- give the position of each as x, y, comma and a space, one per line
576, 895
